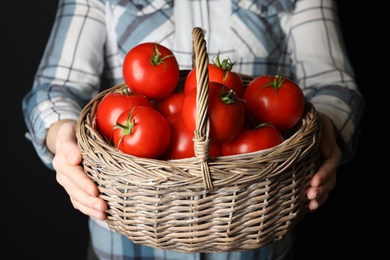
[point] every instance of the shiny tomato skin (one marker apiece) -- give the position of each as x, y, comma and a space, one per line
151, 69
171, 104
182, 145
215, 149
252, 140
112, 105
149, 137
282, 107
226, 120
217, 74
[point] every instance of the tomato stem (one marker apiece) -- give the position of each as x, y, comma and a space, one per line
128, 128
229, 97
156, 58
277, 82
226, 65
262, 125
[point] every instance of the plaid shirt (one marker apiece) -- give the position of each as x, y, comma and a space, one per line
90, 38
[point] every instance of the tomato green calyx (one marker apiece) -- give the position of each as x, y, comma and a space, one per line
226, 64
156, 58
263, 125
123, 91
126, 91
277, 82
229, 97
128, 128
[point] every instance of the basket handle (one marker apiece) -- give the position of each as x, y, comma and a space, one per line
202, 132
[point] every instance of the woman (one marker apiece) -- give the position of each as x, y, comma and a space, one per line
85, 52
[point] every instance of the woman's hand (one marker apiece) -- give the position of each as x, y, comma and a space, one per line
83, 192
324, 180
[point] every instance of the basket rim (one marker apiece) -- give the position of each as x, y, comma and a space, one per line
86, 124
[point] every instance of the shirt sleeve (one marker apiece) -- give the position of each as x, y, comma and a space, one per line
323, 69
69, 72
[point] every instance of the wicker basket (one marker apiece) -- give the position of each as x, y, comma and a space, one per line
203, 204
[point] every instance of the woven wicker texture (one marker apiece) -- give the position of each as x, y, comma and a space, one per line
203, 204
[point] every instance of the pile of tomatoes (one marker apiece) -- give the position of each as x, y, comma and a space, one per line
152, 118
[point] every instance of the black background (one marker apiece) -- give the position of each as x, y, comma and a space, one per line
39, 222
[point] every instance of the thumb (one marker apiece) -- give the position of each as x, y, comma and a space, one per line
68, 143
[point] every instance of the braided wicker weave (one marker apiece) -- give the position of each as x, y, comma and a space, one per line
203, 204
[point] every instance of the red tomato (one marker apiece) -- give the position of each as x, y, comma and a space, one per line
151, 69
215, 149
226, 112
252, 140
218, 73
274, 99
112, 105
182, 145
171, 104
142, 132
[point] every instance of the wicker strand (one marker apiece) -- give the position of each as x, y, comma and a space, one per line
202, 132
